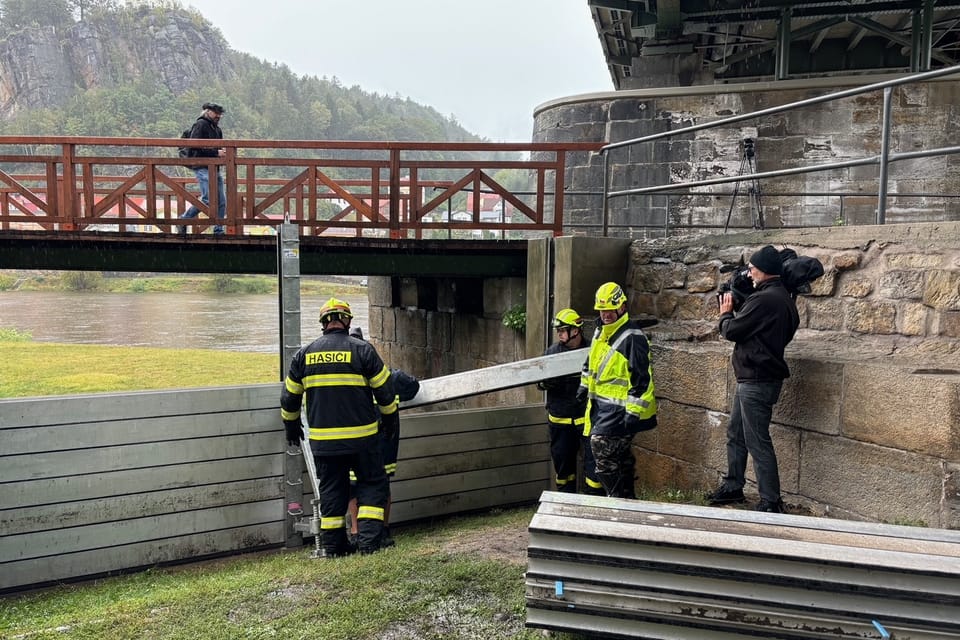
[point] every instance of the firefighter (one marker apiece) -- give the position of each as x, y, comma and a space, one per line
338, 374
406, 387
618, 382
565, 412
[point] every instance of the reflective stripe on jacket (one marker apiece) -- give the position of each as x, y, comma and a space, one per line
618, 379
336, 375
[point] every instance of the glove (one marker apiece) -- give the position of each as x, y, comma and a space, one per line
636, 425
390, 425
294, 432
581, 396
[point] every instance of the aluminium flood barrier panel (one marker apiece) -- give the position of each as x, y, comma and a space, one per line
632, 569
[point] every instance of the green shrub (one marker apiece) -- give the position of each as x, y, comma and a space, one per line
7, 282
82, 280
223, 283
516, 318
15, 335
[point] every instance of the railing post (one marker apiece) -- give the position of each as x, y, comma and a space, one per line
67, 189
604, 222
559, 184
884, 156
234, 224
394, 222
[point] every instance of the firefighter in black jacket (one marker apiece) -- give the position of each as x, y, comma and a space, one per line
565, 412
338, 373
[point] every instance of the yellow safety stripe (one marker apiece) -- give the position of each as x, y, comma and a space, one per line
593, 484
288, 415
387, 409
343, 433
390, 468
556, 420
564, 481
370, 513
378, 380
334, 380
293, 387
353, 476
333, 522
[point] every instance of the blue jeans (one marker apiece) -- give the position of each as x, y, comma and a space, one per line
203, 181
749, 432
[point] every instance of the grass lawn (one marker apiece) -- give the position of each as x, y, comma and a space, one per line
458, 578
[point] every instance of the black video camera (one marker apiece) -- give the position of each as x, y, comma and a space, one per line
748, 148
739, 284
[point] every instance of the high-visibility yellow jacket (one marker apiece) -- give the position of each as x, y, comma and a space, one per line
337, 374
618, 381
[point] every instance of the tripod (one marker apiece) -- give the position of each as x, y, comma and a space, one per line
748, 163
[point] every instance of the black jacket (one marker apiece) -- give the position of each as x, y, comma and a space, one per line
762, 329
562, 392
204, 128
337, 374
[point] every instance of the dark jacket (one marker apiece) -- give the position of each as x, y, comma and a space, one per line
562, 399
337, 374
762, 329
406, 385
204, 128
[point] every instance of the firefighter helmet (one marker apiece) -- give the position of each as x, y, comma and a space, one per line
334, 309
567, 318
610, 297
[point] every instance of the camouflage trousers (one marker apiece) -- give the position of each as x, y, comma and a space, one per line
615, 464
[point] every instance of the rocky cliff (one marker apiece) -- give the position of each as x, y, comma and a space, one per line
43, 66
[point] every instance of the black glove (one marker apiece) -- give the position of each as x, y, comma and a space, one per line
581, 396
635, 425
390, 425
294, 432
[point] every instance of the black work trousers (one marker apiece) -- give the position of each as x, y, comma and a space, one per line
372, 490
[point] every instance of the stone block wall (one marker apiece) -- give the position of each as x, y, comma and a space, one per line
924, 116
433, 327
868, 425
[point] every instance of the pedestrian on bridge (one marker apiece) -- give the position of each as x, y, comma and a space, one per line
207, 126
338, 374
566, 411
618, 383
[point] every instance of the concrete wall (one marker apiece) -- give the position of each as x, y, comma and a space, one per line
437, 326
868, 426
924, 116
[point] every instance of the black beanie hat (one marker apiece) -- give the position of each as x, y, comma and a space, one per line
767, 260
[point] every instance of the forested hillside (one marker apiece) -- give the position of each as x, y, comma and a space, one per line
144, 67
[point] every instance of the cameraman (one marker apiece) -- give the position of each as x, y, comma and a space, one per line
761, 329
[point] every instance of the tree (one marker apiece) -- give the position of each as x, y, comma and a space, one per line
17, 14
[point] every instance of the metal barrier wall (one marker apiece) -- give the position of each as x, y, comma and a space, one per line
631, 569
102, 483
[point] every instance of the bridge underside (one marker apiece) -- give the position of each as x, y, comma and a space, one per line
90, 251
646, 42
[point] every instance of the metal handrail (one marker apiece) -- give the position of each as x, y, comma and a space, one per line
883, 159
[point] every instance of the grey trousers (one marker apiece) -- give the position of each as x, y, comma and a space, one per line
749, 432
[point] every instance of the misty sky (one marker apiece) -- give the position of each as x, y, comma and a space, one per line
488, 63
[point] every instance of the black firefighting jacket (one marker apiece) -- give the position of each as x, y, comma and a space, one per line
563, 406
337, 374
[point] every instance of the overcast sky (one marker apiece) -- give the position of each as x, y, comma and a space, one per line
489, 63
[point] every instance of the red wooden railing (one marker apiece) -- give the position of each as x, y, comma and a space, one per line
394, 189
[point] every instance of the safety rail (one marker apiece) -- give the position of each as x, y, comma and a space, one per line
376, 189
883, 159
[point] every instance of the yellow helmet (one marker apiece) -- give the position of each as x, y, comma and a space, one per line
567, 318
609, 297
334, 309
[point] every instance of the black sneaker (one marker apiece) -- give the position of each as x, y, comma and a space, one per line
723, 495
770, 507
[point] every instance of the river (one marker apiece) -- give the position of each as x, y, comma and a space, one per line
169, 320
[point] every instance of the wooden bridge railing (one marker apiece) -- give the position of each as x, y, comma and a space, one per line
362, 189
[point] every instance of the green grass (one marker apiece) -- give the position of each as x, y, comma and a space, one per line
422, 588
46, 369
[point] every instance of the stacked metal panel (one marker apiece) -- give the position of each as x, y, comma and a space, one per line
614, 568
